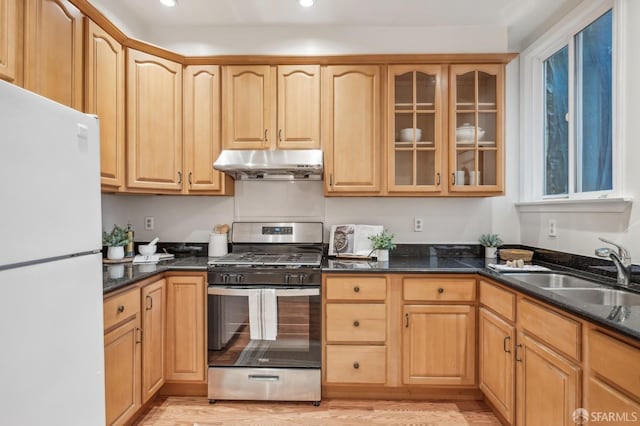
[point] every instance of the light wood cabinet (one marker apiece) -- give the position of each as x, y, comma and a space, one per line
153, 297
154, 123
608, 401
496, 362
8, 39
549, 385
122, 356
476, 105
438, 344
269, 107
104, 96
202, 143
53, 51
186, 328
415, 140
248, 105
351, 129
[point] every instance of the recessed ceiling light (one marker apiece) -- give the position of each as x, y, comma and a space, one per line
306, 3
169, 3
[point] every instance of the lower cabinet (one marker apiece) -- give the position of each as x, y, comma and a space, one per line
122, 356
154, 314
185, 344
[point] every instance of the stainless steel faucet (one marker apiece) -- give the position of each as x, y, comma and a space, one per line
622, 260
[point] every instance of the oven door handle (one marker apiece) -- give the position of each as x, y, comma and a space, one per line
289, 292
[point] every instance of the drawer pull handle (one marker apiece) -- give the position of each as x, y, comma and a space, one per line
440, 290
263, 377
356, 323
406, 320
356, 365
504, 344
149, 303
516, 354
138, 333
356, 289
120, 309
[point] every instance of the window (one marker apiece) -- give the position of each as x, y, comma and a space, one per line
590, 88
569, 100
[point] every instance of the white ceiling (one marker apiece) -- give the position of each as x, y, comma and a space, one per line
521, 18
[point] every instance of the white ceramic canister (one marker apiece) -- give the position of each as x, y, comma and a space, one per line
217, 244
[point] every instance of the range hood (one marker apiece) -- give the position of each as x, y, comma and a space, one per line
294, 164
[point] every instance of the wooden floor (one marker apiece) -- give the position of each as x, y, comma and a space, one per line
196, 411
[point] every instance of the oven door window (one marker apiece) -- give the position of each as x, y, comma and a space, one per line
264, 327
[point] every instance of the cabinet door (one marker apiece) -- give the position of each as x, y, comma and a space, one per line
122, 371
53, 51
185, 350
414, 142
603, 398
351, 129
476, 128
497, 363
153, 326
438, 345
104, 96
154, 122
248, 101
8, 39
202, 142
548, 385
298, 106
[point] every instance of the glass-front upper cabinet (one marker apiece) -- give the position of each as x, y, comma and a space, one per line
476, 128
415, 128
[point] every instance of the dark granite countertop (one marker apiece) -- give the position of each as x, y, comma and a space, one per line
120, 275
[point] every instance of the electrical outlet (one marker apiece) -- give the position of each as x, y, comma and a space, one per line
149, 223
552, 230
417, 224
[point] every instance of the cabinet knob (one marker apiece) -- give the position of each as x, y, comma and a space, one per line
356, 323
356, 365
440, 290
120, 309
356, 289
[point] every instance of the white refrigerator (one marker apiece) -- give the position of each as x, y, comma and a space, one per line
51, 337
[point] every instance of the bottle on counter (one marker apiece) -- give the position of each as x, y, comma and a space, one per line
130, 251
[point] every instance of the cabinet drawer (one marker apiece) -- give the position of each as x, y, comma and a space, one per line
356, 288
356, 322
603, 398
121, 307
439, 289
556, 330
615, 360
356, 364
500, 301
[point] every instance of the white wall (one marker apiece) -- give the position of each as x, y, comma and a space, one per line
578, 232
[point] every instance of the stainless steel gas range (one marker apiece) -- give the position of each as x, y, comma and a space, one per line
264, 314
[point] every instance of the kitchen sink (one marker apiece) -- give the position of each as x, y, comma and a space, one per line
599, 296
552, 280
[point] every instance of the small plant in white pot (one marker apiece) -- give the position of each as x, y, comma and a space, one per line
382, 243
491, 242
115, 242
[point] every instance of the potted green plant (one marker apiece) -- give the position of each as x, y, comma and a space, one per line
491, 242
115, 242
382, 243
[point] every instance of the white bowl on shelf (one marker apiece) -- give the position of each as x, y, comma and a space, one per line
465, 133
406, 135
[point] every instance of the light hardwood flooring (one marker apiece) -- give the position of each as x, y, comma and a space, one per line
196, 411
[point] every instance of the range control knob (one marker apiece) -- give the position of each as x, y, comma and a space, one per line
302, 278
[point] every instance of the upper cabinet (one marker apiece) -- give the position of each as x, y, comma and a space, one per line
248, 102
8, 39
298, 106
269, 107
351, 129
476, 128
202, 142
415, 128
154, 123
104, 96
53, 51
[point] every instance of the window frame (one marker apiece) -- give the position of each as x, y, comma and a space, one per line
532, 132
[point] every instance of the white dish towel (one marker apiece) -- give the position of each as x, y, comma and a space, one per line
255, 317
525, 268
263, 314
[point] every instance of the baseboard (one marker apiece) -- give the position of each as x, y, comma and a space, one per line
382, 392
